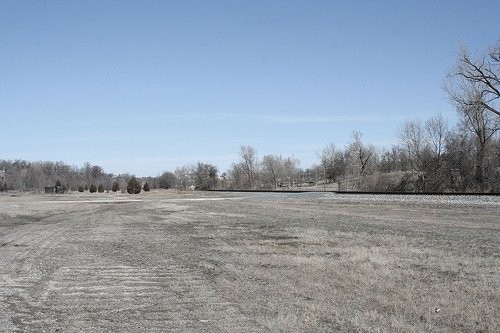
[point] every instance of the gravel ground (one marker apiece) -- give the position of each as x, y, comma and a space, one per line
243, 262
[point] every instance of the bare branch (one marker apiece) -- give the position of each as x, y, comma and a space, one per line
476, 77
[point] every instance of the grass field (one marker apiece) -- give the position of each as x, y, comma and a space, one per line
252, 262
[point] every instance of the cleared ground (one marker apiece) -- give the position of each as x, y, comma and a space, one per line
212, 262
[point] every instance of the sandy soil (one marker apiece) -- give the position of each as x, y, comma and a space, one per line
215, 262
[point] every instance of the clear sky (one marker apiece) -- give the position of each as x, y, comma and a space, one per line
145, 86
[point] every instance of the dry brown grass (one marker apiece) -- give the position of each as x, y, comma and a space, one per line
349, 267
282, 263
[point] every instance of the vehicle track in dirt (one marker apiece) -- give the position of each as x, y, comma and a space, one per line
228, 262
111, 267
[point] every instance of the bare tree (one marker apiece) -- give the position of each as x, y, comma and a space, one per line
460, 161
475, 83
184, 176
360, 154
290, 169
33, 178
394, 159
477, 110
237, 176
272, 169
166, 180
250, 164
412, 137
474, 88
327, 158
436, 131
205, 176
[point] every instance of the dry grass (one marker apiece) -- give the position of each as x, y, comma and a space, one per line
253, 263
329, 267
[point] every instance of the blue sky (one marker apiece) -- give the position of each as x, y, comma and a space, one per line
145, 86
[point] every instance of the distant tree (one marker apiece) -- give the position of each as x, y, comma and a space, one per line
93, 188
250, 164
184, 176
394, 159
224, 180
460, 161
425, 147
33, 176
100, 188
123, 181
360, 155
167, 180
236, 176
437, 133
96, 172
413, 139
146, 187
115, 187
328, 159
272, 171
205, 176
290, 170
134, 186
58, 183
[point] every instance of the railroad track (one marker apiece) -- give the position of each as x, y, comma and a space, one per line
364, 192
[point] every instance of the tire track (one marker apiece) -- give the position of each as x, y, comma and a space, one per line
109, 268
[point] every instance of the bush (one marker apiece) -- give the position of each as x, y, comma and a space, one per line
146, 187
81, 188
93, 188
100, 189
115, 187
133, 186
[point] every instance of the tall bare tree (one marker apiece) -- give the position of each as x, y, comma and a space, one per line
327, 158
413, 138
290, 169
272, 169
474, 88
436, 130
250, 164
360, 154
475, 82
184, 176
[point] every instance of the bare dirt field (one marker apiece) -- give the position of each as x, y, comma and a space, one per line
249, 262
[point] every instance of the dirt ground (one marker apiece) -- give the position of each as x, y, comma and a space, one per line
233, 262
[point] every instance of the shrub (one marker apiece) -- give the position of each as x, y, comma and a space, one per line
81, 188
93, 188
115, 187
133, 186
146, 187
100, 188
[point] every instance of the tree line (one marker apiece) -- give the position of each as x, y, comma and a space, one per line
431, 155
